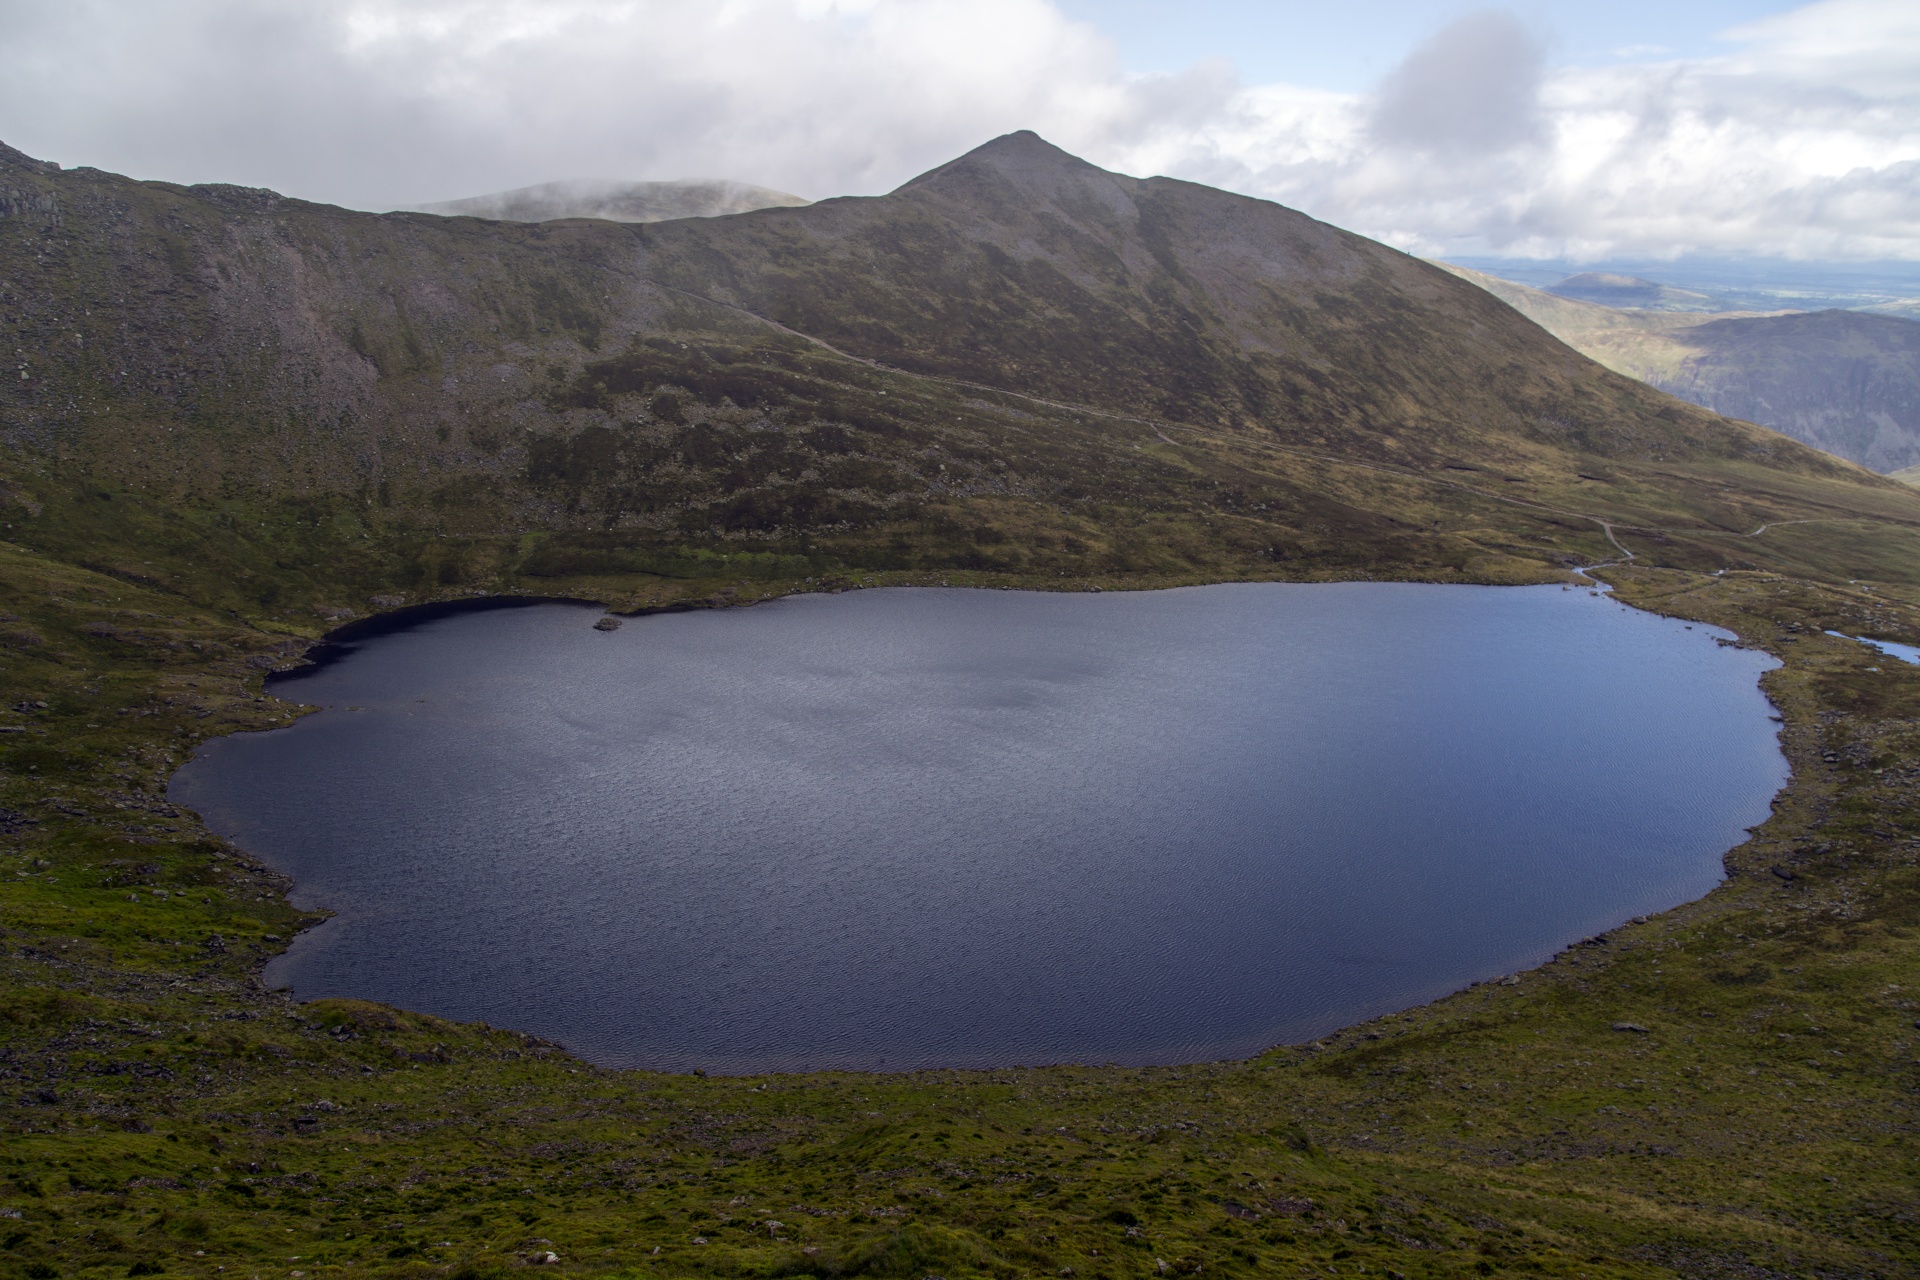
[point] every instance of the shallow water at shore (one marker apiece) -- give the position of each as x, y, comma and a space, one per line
907, 828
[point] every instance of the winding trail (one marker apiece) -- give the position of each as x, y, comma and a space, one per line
1155, 425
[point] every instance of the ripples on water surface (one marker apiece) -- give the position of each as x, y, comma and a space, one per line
908, 828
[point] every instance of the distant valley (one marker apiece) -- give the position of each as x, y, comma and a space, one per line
1844, 381
1610, 289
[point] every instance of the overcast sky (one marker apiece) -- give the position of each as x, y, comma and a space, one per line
1632, 128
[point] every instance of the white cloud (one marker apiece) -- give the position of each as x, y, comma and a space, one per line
1802, 142
1472, 90
384, 102
1804, 139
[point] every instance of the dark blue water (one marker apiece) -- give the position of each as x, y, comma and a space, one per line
912, 828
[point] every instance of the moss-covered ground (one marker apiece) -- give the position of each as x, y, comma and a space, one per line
1727, 1089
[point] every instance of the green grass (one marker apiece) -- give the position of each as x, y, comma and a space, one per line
166, 1115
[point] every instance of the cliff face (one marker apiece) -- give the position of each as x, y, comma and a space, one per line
982, 368
1842, 381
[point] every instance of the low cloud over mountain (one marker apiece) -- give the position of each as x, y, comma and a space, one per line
616, 201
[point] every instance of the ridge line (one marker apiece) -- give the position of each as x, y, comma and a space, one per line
1606, 526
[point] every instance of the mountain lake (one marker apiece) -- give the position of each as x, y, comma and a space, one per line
905, 828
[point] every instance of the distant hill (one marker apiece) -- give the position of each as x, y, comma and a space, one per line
1564, 316
1847, 382
1731, 284
1611, 290
617, 201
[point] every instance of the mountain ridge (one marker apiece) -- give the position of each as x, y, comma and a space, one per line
471, 405
1212, 299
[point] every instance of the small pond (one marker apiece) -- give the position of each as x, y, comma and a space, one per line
906, 828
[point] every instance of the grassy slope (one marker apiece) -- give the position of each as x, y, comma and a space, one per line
1657, 347
165, 1114
169, 1114
286, 408
1648, 345
1840, 380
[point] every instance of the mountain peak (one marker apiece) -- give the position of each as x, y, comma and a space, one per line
1023, 157
1025, 145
